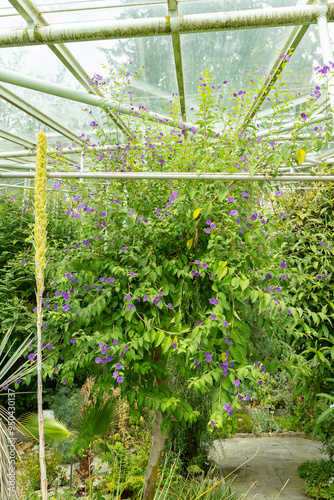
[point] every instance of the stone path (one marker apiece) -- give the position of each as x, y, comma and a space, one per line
276, 462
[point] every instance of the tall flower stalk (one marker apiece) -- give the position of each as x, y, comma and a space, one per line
40, 263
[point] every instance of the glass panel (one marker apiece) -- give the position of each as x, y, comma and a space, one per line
302, 77
38, 61
68, 113
12, 21
83, 4
16, 122
106, 14
158, 81
200, 6
231, 55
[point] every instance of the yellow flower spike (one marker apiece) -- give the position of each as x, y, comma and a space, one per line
40, 263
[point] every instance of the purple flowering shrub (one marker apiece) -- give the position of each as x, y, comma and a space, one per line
161, 268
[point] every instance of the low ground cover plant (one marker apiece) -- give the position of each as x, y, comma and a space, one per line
319, 476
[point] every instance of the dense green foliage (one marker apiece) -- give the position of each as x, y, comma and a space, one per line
319, 478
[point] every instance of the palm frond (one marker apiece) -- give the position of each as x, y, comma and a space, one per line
96, 422
53, 428
24, 369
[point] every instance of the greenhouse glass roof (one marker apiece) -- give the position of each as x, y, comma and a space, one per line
49, 51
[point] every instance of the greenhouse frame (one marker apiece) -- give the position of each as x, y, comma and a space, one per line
59, 28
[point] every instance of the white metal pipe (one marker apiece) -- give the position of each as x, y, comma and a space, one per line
172, 175
47, 87
290, 126
167, 25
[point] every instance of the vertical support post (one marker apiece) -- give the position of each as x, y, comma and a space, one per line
326, 49
176, 41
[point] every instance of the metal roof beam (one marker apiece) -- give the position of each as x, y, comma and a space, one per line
35, 19
17, 139
75, 95
19, 103
173, 13
157, 26
173, 175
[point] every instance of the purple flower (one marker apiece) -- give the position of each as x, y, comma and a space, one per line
284, 277
278, 289
198, 322
170, 306
230, 199
208, 358
64, 381
236, 383
283, 264
260, 382
120, 380
212, 423
233, 212
103, 351
31, 356
56, 368
119, 366
97, 360
161, 294
124, 249
212, 317
66, 307
132, 274
115, 374
207, 230
19, 380
263, 367
304, 116
174, 345
256, 363
268, 276
126, 348
115, 341
204, 265
45, 325
23, 261
319, 277
208, 222
225, 324
145, 297
73, 341
213, 226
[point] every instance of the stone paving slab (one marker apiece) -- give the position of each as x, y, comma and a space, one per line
275, 462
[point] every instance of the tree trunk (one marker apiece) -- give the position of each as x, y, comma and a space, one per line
158, 441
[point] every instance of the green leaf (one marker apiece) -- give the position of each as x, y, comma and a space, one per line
222, 270
159, 337
131, 396
325, 415
166, 344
